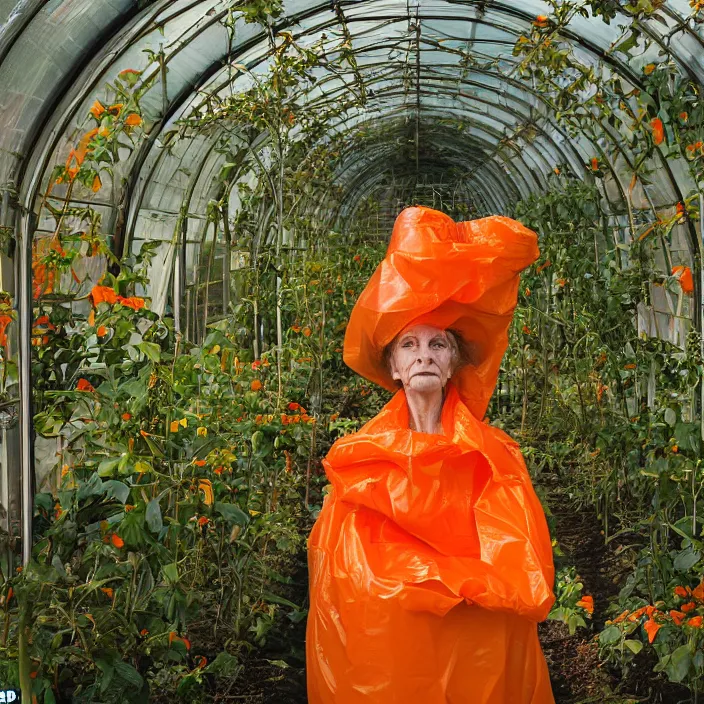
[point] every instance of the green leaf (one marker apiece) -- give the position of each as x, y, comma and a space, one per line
170, 573
107, 467
93, 487
635, 646
116, 490
225, 665
678, 666
610, 635
670, 416
153, 516
686, 559
151, 349
232, 512
273, 599
128, 674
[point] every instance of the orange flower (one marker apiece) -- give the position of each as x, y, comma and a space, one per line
116, 109
689, 606
256, 385
129, 507
293, 406
201, 661
675, 448
695, 622
5, 320
557, 171
527, 291
107, 591
621, 617
218, 470
587, 603
203, 520
206, 487
677, 617
684, 116
629, 366
296, 328
97, 109
647, 70
545, 265
284, 419
685, 277
306, 331
103, 294
133, 302
334, 416
102, 331
129, 72
97, 184
540, 21
658, 130
637, 614
651, 628
357, 257
84, 385
199, 463
256, 364
698, 591
526, 330
117, 541
595, 164
126, 416
133, 120
173, 636
561, 282
144, 632
681, 591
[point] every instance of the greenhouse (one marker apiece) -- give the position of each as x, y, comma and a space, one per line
194, 195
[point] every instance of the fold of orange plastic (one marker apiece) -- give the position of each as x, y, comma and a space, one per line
430, 566
462, 276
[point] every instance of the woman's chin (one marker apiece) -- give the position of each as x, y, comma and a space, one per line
425, 384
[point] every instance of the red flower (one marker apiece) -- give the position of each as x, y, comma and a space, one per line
117, 541
587, 603
84, 385
293, 406
133, 302
695, 622
658, 130
681, 591
203, 521
677, 617
689, 606
103, 294
686, 281
256, 364
651, 628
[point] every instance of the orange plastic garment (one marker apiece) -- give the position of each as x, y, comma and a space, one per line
430, 566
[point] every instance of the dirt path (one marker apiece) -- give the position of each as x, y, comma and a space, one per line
576, 674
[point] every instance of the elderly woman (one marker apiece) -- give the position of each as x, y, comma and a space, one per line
430, 562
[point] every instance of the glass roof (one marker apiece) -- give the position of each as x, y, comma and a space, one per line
438, 76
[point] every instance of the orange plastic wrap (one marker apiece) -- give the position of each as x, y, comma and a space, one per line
430, 562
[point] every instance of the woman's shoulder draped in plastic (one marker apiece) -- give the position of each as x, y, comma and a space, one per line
456, 514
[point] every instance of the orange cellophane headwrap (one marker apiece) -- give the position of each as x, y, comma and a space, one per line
462, 276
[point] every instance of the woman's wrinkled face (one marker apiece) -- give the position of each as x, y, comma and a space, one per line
422, 358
